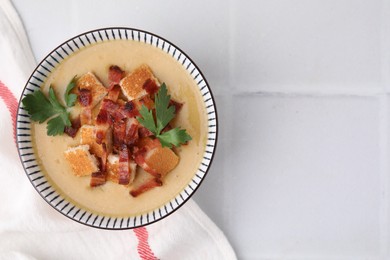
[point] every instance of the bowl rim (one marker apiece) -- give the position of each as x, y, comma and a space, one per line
65, 197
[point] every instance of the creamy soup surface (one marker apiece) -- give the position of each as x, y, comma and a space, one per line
112, 199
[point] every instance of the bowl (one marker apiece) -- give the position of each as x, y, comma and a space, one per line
51, 191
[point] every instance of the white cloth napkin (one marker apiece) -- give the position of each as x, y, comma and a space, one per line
31, 229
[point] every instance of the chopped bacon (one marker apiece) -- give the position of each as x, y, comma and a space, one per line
139, 158
97, 178
115, 74
150, 86
144, 132
85, 97
148, 143
146, 101
119, 134
102, 117
147, 185
102, 125
131, 131
145, 145
176, 104
72, 130
129, 109
112, 108
167, 128
118, 112
114, 92
124, 165
104, 135
104, 157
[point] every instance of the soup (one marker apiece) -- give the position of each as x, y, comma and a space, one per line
112, 199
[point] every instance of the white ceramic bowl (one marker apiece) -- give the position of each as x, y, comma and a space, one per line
29, 158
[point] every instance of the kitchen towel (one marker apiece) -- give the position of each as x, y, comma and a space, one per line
31, 229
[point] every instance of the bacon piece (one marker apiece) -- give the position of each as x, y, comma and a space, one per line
72, 130
113, 168
114, 92
85, 97
112, 108
119, 134
124, 166
129, 109
150, 86
131, 131
147, 185
166, 128
146, 101
103, 164
102, 117
148, 143
144, 146
176, 104
116, 111
85, 100
115, 74
139, 158
97, 178
102, 126
144, 132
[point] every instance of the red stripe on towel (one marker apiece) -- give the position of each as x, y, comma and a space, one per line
11, 103
144, 250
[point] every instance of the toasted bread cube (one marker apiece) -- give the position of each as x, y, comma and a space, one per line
162, 160
90, 82
86, 116
88, 136
82, 162
132, 84
113, 169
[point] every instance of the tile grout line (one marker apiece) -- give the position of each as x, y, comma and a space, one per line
232, 45
307, 93
229, 98
384, 185
384, 131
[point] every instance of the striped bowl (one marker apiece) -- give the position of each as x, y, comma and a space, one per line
28, 157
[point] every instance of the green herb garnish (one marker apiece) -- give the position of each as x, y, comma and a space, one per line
164, 114
70, 99
42, 108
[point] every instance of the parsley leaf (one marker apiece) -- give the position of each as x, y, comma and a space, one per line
70, 98
56, 105
175, 136
38, 106
42, 108
164, 114
147, 119
56, 125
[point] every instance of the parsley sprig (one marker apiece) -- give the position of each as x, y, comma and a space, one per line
164, 114
41, 108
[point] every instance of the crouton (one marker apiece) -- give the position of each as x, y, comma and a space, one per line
132, 84
162, 160
82, 162
88, 136
90, 82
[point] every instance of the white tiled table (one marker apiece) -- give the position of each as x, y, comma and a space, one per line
302, 167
